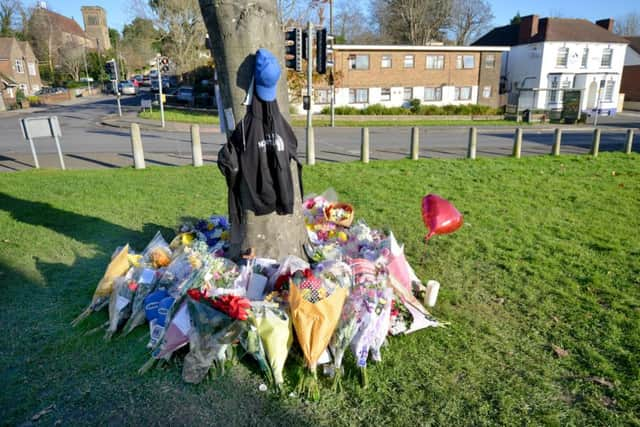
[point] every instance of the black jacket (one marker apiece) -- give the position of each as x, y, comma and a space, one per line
259, 153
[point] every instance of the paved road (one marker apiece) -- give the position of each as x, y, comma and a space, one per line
89, 144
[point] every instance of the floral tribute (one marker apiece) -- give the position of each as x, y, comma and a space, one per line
354, 291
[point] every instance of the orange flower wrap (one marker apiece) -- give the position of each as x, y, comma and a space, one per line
315, 323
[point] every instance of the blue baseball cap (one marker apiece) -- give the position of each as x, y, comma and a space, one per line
266, 75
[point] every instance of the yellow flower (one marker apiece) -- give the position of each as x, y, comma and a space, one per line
224, 235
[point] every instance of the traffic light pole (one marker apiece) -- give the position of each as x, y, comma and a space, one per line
311, 146
332, 87
160, 91
115, 67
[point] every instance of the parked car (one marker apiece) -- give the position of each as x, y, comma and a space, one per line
138, 78
127, 88
50, 90
165, 84
185, 94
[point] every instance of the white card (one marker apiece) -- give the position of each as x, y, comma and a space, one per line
147, 276
182, 320
325, 357
121, 302
255, 290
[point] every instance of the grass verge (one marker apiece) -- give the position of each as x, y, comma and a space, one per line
549, 257
386, 122
183, 116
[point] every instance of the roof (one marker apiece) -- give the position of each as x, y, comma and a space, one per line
551, 30
5, 47
436, 48
634, 43
64, 24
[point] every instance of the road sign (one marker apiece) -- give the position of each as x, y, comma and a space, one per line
42, 127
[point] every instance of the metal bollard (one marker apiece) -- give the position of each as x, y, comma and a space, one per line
517, 143
415, 143
136, 147
557, 139
196, 147
473, 143
628, 146
595, 144
364, 146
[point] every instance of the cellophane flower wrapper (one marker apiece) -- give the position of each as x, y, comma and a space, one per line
252, 344
275, 331
288, 266
157, 254
120, 303
315, 312
146, 280
215, 232
221, 278
176, 273
212, 332
118, 266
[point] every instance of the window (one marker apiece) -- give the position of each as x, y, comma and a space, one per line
385, 62
606, 58
555, 94
563, 56
433, 94
19, 67
32, 68
464, 61
585, 57
385, 94
358, 62
408, 61
92, 20
463, 93
490, 61
486, 92
407, 95
358, 96
608, 91
322, 96
435, 62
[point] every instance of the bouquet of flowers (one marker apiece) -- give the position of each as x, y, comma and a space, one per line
157, 253
120, 303
339, 213
117, 267
215, 232
315, 311
145, 283
217, 322
274, 328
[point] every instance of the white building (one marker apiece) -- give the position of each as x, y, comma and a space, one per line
550, 55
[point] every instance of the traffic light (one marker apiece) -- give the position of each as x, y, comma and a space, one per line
293, 49
164, 64
324, 55
110, 68
305, 42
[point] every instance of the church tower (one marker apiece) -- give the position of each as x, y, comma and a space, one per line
95, 25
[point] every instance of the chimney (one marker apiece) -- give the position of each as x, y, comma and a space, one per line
528, 28
607, 24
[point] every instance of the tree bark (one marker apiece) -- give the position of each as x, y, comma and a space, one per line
237, 29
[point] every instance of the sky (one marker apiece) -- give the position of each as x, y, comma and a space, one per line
120, 12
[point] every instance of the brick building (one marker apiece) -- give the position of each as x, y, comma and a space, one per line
18, 69
393, 75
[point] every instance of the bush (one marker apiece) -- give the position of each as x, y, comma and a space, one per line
20, 96
33, 100
75, 85
417, 109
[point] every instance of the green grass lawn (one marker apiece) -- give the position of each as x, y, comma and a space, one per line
549, 256
178, 115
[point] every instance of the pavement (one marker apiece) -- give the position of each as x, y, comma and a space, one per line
94, 136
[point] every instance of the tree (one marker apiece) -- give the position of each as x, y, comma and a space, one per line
516, 19
627, 25
140, 42
9, 17
183, 32
415, 22
71, 60
237, 30
350, 24
114, 37
469, 18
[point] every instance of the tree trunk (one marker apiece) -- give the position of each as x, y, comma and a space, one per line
237, 29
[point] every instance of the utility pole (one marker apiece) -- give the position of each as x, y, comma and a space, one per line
331, 82
86, 70
311, 150
115, 83
160, 90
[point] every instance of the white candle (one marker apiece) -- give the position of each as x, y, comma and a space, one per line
432, 292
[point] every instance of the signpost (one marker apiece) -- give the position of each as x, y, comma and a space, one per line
42, 127
162, 64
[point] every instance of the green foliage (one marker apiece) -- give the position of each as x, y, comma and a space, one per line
417, 109
183, 116
548, 256
75, 85
20, 96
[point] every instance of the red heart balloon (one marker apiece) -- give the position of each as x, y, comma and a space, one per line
439, 215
